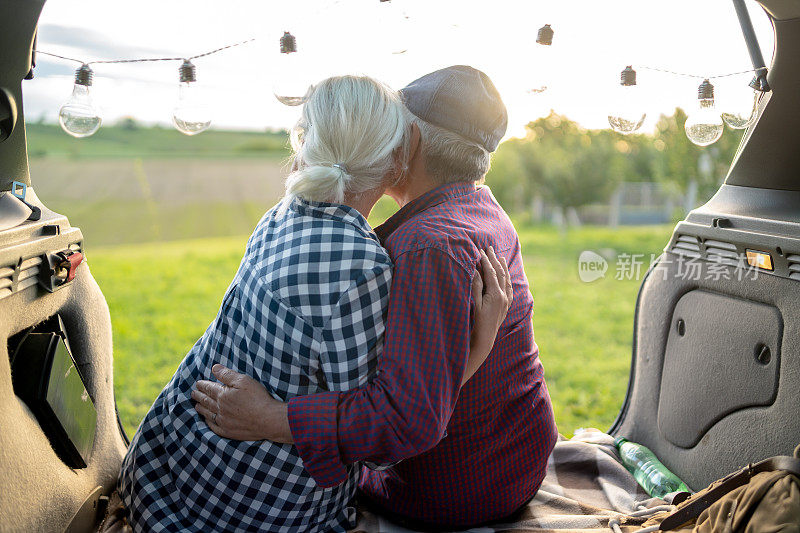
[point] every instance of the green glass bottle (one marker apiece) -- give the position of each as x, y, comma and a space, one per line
653, 476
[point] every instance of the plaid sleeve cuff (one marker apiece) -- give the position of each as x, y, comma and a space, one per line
312, 420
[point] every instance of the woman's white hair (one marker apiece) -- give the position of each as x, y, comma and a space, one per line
346, 141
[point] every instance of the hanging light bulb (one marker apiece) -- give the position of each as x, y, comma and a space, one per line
627, 115
740, 107
541, 60
704, 125
393, 24
290, 87
79, 116
190, 116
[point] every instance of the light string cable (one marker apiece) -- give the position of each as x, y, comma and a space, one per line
629, 118
699, 77
144, 59
147, 59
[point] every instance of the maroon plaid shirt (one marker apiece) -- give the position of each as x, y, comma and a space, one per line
470, 454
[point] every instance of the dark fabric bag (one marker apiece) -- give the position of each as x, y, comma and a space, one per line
115, 520
762, 497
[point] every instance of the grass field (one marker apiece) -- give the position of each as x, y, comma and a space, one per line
138, 192
123, 201
136, 185
49, 140
584, 330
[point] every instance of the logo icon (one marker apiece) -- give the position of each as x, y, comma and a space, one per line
591, 266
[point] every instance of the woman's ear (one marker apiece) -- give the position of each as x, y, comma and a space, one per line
297, 161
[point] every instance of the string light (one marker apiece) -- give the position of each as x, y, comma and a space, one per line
393, 22
190, 116
704, 125
288, 43
541, 61
740, 108
627, 114
290, 87
79, 116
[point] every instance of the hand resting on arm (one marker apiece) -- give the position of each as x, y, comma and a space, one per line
240, 408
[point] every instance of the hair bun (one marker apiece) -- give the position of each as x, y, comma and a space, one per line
317, 182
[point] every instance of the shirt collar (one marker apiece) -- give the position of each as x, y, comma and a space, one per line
341, 212
426, 201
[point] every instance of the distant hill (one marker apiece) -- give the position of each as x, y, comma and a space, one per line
129, 140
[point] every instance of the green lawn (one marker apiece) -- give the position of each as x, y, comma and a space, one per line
128, 185
159, 308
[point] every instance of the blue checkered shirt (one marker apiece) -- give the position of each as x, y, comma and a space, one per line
304, 314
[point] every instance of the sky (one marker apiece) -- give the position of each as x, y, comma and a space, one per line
594, 40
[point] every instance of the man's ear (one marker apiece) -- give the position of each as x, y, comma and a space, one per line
415, 144
400, 165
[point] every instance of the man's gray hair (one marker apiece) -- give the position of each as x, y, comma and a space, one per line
449, 157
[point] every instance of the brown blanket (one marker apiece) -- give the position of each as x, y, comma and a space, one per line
586, 489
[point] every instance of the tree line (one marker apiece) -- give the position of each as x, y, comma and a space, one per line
566, 166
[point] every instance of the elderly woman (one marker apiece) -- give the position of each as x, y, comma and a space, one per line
304, 314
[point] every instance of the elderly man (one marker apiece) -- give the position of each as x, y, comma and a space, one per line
467, 455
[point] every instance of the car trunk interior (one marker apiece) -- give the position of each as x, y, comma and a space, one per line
716, 358
44, 486
715, 375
